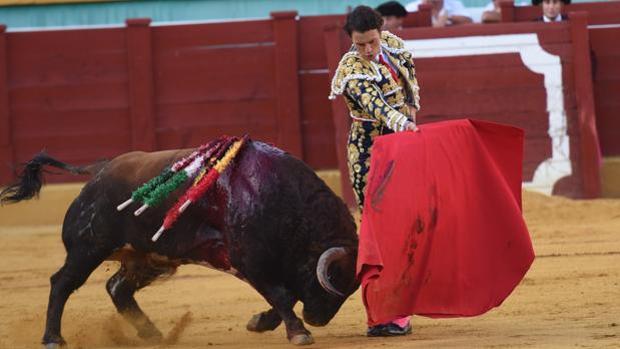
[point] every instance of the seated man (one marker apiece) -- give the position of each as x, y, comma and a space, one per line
393, 14
444, 12
552, 10
492, 12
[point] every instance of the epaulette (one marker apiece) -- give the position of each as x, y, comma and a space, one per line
352, 67
392, 43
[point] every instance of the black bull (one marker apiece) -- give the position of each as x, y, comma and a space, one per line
269, 220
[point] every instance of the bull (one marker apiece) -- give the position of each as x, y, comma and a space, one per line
269, 221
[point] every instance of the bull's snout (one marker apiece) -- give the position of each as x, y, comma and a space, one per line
315, 320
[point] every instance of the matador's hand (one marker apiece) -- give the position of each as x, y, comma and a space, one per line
411, 126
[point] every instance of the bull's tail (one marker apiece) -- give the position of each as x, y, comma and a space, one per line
30, 179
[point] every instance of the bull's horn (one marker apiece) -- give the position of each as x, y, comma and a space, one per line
327, 257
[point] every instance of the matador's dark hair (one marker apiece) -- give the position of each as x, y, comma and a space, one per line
363, 19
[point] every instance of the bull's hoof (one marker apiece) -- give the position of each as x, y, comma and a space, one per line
53, 342
302, 339
263, 322
151, 335
254, 324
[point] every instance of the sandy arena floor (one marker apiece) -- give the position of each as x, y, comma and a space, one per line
569, 298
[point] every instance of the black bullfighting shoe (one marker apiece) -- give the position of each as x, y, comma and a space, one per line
393, 329
388, 330
376, 331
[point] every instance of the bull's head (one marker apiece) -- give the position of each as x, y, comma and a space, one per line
335, 275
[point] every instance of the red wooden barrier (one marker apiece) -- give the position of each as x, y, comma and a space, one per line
420, 18
287, 83
604, 31
140, 74
585, 103
317, 128
336, 43
68, 94
604, 42
213, 79
6, 143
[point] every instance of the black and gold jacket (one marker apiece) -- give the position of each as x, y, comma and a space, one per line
371, 93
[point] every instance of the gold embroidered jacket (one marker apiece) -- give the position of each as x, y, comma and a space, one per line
371, 93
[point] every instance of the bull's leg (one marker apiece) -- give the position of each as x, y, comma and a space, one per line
282, 300
78, 266
132, 276
266, 321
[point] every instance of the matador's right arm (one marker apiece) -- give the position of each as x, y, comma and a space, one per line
368, 96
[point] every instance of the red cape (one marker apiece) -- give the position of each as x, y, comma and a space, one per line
442, 232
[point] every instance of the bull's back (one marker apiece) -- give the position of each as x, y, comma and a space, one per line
95, 207
115, 182
138, 167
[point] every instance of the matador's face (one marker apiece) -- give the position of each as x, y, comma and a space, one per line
368, 43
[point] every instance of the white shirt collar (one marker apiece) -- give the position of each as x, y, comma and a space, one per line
379, 54
558, 18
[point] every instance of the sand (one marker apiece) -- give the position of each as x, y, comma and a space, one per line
569, 298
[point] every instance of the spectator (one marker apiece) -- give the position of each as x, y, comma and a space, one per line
393, 14
492, 12
552, 10
444, 12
